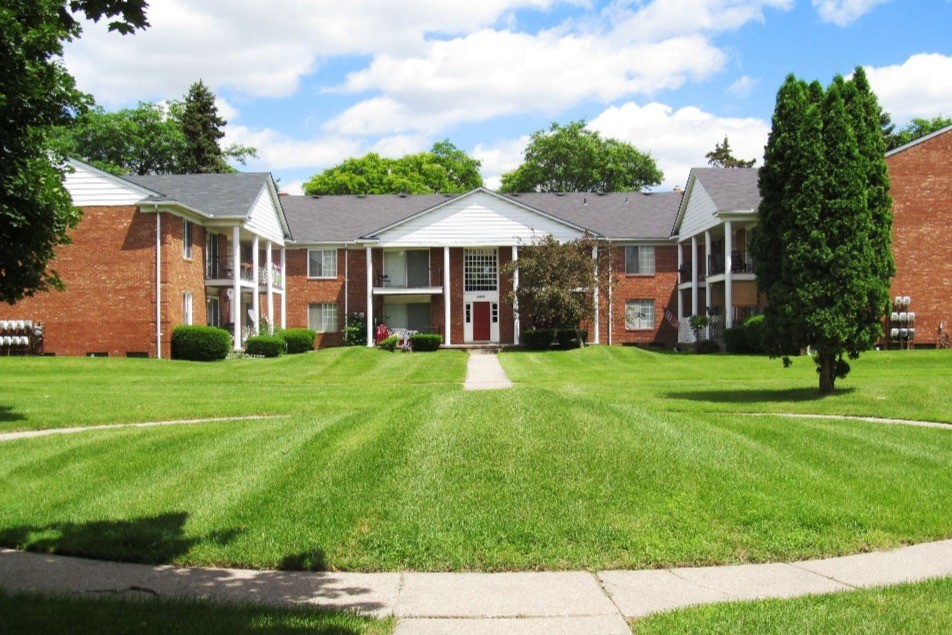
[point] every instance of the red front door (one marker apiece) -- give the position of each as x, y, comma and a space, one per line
481, 321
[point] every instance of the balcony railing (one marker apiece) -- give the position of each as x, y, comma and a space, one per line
223, 269
412, 278
685, 273
741, 262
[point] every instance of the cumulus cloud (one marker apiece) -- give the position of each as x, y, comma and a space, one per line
742, 88
499, 158
919, 87
844, 12
679, 139
278, 151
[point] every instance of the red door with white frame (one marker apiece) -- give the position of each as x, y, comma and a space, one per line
481, 330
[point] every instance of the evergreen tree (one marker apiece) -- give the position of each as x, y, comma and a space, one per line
823, 245
723, 157
203, 132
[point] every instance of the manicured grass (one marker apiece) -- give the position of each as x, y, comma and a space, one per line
924, 607
593, 461
41, 614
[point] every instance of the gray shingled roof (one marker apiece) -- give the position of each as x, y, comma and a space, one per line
733, 189
211, 194
329, 219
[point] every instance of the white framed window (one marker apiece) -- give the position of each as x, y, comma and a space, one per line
187, 239
322, 317
321, 263
187, 308
639, 260
639, 314
480, 270
495, 312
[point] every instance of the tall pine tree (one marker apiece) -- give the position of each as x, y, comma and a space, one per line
823, 246
203, 132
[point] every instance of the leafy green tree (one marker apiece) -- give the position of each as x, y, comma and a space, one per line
822, 248
37, 93
445, 168
140, 140
573, 158
916, 129
723, 157
203, 129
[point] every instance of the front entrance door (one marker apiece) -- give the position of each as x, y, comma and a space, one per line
481, 332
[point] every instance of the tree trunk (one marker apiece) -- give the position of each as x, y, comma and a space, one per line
827, 376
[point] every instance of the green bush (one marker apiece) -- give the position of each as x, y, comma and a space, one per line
735, 339
200, 343
571, 338
264, 345
424, 342
746, 338
537, 339
390, 344
706, 347
355, 333
298, 340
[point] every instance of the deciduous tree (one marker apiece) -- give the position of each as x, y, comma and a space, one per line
573, 158
916, 129
723, 157
36, 93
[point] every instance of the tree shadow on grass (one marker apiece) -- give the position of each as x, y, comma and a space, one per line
141, 542
7, 414
756, 395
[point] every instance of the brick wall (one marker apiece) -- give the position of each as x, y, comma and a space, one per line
660, 287
180, 275
921, 184
302, 291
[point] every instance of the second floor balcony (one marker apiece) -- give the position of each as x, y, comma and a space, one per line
223, 270
421, 277
741, 262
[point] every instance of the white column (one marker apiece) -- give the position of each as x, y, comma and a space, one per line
269, 267
693, 275
236, 285
447, 339
255, 281
370, 297
707, 274
680, 267
595, 292
728, 277
284, 289
515, 302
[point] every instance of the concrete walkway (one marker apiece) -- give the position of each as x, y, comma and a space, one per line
462, 603
484, 372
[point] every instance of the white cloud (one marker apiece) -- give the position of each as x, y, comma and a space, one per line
277, 151
662, 19
499, 158
742, 88
844, 12
679, 139
919, 87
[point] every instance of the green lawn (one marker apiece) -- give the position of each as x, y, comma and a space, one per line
924, 607
41, 614
599, 458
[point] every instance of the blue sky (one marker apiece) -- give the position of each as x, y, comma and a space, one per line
312, 83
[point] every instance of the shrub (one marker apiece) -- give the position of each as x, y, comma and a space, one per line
390, 344
735, 339
424, 342
200, 343
537, 339
298, 340
355, 333
571, 338
264, 345
706, 347
755, 330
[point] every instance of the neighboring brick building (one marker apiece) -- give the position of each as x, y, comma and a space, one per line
920, 175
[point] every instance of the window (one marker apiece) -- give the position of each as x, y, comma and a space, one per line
321, 263
322, 317
639, 260
406, 269
187, 308
213, 312
211, 256
639, 314
479, 270
495, 313
187, 239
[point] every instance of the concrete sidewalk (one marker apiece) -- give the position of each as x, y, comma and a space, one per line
536, 602
484, 372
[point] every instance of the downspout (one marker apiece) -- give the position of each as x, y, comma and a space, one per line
346, 285
158, 282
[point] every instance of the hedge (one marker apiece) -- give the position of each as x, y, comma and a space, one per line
425, 342
264, 345
537, 339
746, 338
571, 338
200, 343
298, 340
706, 347
390, 344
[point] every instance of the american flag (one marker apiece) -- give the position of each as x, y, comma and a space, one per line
671, 318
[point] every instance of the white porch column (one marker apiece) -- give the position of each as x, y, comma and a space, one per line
269, 268
707, 274
236, 286
680, 296
255, 281
370, 297
728, 277
595, 292
693, 275
284, 289
447, 339
515, 303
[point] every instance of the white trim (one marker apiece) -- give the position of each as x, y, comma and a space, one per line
728, 276
446, 296
256, 285
370, 297
284, 290
76, 164
322, 277
158, 286
236, 286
